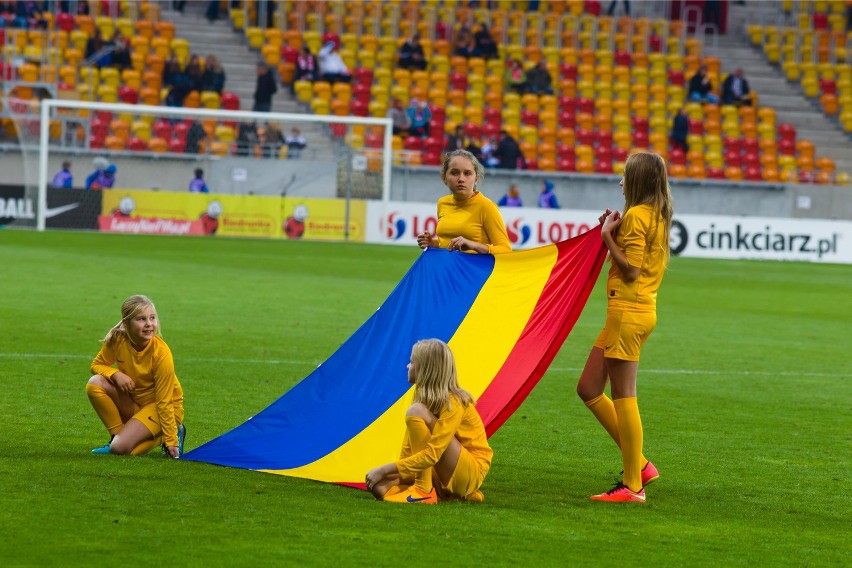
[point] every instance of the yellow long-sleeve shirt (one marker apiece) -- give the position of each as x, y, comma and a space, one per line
153, 371
640, 236
476, 218
456, 421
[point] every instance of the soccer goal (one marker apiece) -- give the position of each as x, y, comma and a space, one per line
149, 160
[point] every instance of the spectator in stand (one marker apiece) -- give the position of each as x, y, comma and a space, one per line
213, 78
307, 68
539, 80
680, 130
473, 148
212, 12
516, 78
194, 73
63, 178
103, 177
465, 44
486, 47
411, 54
509, 153
273, 139
194, 136
178, 80
331, 65
611, 10
121, 53
246, 139
264, 89
489, 160
295, 143
197, 185
29, 15
456, 141
547, 197
400, 118
701, 88
512, 198
420, 115
94, 45
735, 90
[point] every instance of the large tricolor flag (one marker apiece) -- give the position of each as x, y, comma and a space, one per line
505, 317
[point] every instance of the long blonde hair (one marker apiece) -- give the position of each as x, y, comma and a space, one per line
435, 375
645, 181
129, 309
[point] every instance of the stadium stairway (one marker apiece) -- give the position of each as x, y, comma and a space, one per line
240, 64
773, 90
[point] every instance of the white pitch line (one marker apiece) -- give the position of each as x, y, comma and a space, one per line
744, 373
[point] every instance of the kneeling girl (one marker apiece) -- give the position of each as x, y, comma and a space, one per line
445, 450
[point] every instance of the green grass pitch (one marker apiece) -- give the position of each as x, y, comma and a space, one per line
744, 389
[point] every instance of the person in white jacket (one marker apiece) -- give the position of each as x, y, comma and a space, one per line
331, 65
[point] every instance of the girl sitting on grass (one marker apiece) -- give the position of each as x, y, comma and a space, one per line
444, 436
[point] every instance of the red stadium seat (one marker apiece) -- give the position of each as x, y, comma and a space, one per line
567, 104
568, 71
530, 118
289, 54
65, 22
715, 173
787, 132
230, 101
622, 58
162, 129
128, 95
566, 164
177, 145
585, 137
359, 107
458, 81
136, 144
362, 76
431, 158
732, 159
695, 126
413, 143
732, 144
676, 156
786, 147
586, 105
180, 131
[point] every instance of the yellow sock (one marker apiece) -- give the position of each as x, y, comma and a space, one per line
630, 434
146, 446
604, 410
105, 408
419, 436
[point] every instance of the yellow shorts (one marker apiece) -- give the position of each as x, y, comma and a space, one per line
624, 333
468, 475
149, 416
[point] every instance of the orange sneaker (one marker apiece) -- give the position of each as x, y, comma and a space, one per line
413, 495
649, 474
621, 494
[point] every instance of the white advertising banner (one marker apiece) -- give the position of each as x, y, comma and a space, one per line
702, 236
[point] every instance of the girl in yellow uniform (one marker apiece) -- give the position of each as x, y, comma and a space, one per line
134, 389
467, 220
445, 443
638, 244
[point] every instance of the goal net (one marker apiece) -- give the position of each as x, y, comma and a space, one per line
169, 170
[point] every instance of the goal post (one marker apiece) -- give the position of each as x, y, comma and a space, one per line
346, 157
